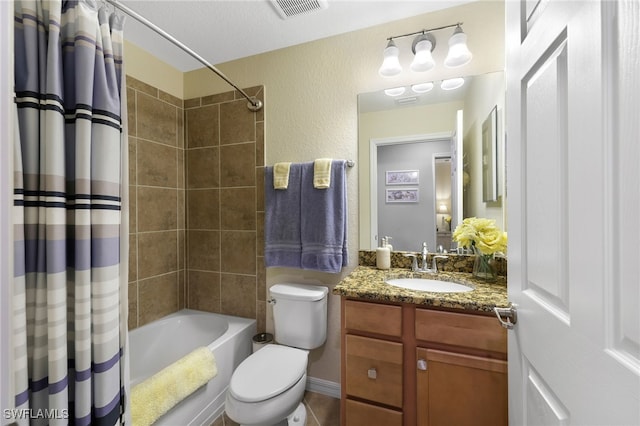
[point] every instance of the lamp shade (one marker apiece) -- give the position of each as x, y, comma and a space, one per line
422, 47
391, 64
459, 53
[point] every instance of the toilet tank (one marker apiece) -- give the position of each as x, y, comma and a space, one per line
299, 314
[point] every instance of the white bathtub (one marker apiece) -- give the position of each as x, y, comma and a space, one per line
162, 342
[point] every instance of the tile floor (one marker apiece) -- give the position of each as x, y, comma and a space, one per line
322, 410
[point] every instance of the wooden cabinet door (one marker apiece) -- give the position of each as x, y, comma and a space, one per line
457, 389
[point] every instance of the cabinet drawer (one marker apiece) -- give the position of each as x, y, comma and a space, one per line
374, 370
359, 413
471, 331
373, 318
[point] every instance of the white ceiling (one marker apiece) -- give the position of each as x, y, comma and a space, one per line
224, 30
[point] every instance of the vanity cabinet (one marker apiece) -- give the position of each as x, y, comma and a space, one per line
466, 383
373, 364
407, 365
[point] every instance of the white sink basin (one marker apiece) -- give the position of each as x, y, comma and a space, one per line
425, 284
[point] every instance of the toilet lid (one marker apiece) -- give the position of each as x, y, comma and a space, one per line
267, 373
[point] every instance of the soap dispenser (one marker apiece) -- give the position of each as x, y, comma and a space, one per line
388, 245
383, 255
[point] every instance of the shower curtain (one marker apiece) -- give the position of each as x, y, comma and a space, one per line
70, 220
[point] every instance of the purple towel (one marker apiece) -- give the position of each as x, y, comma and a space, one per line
282, 220
324, 220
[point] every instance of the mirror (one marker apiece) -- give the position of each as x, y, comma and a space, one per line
460, 130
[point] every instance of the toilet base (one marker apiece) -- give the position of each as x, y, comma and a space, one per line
297, 418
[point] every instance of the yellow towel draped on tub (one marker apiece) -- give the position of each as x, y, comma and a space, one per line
155, 396
322, 173
281, 175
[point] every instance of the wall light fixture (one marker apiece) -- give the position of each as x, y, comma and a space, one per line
423, 45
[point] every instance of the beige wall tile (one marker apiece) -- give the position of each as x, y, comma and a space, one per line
238, 295
237, 165
156, 120
204, 291
157, 164
202, 168
238, 252
133, 158
131, 111
203, 208
133, 305
238, 209
158, 297
237, 123
182, 189
133, 257
140, 86
202, 126
217, 98
133, 208
158, 209
182, 206
260, 189
261, 279
203, 250
260, 144
191, 103
158, 253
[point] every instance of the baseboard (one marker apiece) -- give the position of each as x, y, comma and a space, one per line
324, 387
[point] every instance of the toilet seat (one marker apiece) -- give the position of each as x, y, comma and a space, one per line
268, 373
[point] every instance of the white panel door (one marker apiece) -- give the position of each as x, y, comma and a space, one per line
573, 208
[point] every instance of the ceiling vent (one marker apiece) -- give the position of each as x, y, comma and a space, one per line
291, 8
407, 100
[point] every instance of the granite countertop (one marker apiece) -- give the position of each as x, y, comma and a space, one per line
366, 282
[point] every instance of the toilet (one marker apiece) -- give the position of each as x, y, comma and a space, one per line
268, 386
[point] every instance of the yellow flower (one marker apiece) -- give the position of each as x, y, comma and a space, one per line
481, 234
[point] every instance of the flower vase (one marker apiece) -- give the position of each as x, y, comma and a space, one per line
484, 267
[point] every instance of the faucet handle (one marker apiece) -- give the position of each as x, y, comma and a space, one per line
414, 261
434, 267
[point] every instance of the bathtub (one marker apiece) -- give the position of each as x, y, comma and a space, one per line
160, 343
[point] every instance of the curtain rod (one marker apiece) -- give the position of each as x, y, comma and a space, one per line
254, 104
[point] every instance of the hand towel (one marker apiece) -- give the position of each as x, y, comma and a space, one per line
155, 396
322, 173
324, 220
282, 220
281, 175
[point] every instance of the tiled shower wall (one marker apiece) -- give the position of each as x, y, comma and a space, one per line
196, 205
225, 213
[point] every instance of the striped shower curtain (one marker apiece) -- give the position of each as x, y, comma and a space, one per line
70, 181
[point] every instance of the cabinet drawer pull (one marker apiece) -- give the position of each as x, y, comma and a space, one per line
372, 373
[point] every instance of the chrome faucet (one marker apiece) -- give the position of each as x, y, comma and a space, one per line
425, 253
425, 263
